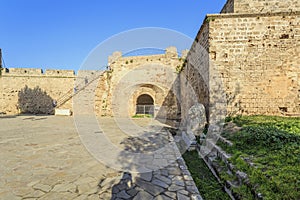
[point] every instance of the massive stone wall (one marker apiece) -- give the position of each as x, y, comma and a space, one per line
260, 6
132, 76
55, 83
194, 77
254, 64
257, 57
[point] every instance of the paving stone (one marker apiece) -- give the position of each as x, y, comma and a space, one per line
58, 195
182, 196
146, 176
182, 167
122, 186
123, 195
184, 192
158, 156
180, 183
164, 172
132, 192
187, 178
162, 197
115, 190
35, 194
174, 187
8, 195
196, 197
171, 194
174, 171
160, 183
143, 195
42, 187
21, 191
164, 179
84, 188
186, 172
105, 196
32, 183
152, 189
192, 189
93, 197
92, 191
83, 180
190, 183
59, 187
82, 197
108, 181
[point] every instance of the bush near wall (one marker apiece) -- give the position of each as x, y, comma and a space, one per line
35, 101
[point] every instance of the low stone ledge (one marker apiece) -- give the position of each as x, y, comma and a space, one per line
63, 112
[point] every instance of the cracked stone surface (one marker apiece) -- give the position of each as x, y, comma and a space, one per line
42, 157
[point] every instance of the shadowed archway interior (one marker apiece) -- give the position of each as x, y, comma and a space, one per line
145, 104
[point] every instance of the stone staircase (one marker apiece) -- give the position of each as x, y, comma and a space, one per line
218, 161
83, 92
84, 98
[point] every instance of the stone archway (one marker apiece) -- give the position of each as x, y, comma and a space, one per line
145, 104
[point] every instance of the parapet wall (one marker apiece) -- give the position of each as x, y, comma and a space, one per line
228, 7
37, 72
260, 6
54, 82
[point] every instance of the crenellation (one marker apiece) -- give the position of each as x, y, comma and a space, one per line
228, 7
260, 6
62, 73
23, 72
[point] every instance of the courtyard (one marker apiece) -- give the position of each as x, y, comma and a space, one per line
43, 157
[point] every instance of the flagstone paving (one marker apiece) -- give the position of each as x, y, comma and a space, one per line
42, 157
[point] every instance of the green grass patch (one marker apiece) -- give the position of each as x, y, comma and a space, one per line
205, 181
271, 145
142, 116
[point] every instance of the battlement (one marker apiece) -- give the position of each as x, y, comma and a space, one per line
37, 72
170, 52
228, 7
54, 72
22, 71
260, 6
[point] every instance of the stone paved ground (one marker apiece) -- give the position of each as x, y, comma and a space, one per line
42, 157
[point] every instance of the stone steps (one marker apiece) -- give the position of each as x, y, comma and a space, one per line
213, 160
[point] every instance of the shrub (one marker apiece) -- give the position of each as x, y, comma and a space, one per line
35, 101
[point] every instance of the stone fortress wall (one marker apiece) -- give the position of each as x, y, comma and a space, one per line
254, 53
260, 6
160, 70
54, 82
132, 76
246, 58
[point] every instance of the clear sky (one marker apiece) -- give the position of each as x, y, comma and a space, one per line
59, 34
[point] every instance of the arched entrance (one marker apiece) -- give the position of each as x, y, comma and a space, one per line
145, 105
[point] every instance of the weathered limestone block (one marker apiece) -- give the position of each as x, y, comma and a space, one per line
196, 119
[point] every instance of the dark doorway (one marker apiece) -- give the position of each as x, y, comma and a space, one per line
145, 105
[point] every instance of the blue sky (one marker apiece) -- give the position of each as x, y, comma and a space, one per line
59, 34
